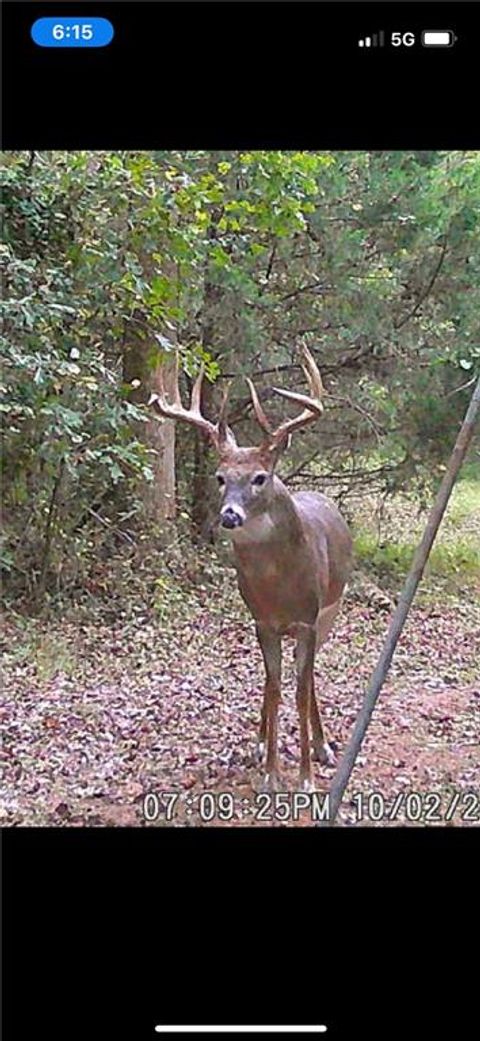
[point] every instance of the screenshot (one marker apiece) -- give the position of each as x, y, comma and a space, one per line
240, 549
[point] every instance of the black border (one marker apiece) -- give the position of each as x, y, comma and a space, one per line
242, 75
109, 932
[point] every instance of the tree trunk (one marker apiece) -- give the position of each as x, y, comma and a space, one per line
159, 494
204, 505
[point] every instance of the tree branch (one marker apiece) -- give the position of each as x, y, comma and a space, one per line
426, 292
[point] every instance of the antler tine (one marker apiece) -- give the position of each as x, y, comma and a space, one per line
223, 406
313, 405
197, 391
175, 410
226, 437
313, 375
259, 413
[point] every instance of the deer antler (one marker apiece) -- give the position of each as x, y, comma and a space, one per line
257, 408
218, 433
313, 403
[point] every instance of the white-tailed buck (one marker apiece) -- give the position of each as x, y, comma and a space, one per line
292, 554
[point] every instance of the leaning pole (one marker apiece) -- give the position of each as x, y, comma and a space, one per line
345, 767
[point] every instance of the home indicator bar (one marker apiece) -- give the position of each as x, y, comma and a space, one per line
234, 1029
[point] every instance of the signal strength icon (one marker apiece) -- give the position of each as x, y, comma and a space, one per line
375, 40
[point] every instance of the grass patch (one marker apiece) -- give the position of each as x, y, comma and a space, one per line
49, 654
388, 549
465, 501
460, 559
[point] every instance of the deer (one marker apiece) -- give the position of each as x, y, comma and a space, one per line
292, 553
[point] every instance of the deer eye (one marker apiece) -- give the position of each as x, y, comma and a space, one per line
220, 479
259, 479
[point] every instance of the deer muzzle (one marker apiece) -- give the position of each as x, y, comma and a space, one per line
232, 517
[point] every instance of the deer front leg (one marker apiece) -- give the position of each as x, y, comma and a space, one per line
305, 658
271, 646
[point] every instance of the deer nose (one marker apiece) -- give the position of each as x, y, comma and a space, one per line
229, 518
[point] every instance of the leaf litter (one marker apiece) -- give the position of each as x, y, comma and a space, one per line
95, 716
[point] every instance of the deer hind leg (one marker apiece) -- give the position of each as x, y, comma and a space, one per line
323, 751
325, 620
271, 646
305, 658
262, 732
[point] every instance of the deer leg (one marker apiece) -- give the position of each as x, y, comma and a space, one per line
323, 751
271, 646
325, 620
262, 732
305, 658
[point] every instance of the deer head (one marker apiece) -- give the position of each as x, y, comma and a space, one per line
246, 475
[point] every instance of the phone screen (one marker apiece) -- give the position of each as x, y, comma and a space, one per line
241, 500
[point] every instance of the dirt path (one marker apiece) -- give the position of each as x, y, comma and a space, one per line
133, 710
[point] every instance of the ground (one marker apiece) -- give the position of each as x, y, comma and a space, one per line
103, 707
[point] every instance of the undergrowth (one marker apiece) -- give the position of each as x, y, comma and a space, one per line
386, 539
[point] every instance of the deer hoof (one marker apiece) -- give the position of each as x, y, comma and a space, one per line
330, 758
270, 783
260, 753
325, 755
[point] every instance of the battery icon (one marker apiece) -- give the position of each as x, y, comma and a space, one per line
436, 38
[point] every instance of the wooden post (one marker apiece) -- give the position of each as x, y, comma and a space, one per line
345, 767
